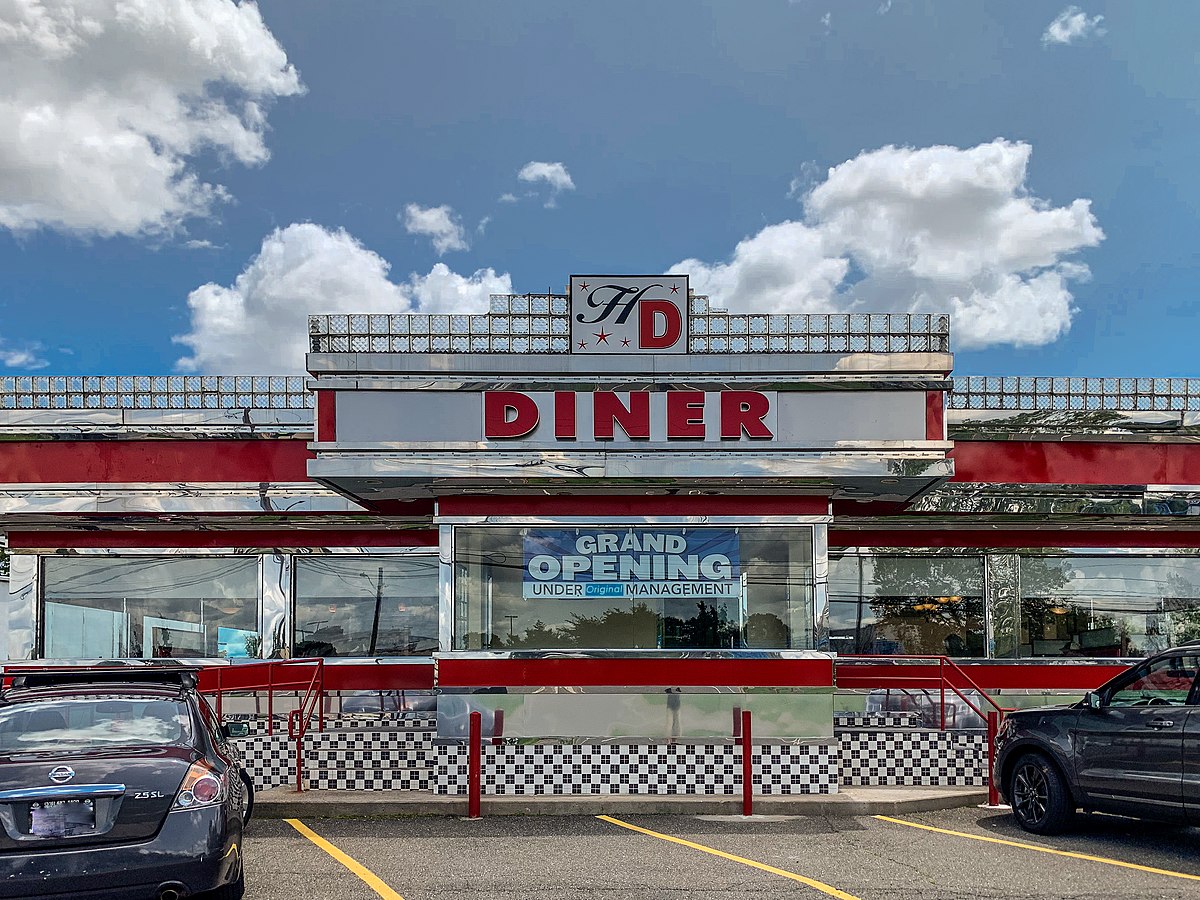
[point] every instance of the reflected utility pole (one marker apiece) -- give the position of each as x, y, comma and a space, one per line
375, 621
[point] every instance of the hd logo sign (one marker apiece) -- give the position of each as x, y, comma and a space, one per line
629, 314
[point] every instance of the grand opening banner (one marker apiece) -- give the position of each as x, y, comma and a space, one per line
636, 563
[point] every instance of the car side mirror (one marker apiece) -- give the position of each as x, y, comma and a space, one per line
1093, 700
235, 729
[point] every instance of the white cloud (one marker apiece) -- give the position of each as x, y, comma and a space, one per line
104, 105
483, 224
199, 245
439, 223
508, 198
554, 174
259, 323
927, 230
1071, 25
27, 358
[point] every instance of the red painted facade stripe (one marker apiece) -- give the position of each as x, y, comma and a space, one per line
1076, 462
632, 671
153, 462
292, 537
935, 416
326, 415
586, 505
968, 537
1029, 675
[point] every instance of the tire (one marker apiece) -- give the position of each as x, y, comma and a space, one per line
248, 804
235, 890
1041, 800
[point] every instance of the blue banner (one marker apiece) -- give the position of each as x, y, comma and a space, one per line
634, 563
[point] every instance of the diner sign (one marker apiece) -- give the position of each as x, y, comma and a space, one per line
634, 563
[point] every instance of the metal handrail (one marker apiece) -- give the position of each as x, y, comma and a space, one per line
299, 719
269, 683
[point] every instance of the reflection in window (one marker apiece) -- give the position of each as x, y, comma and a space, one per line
907, 604
366, 605
1165, 682
1116, 605
653, 587
150, 607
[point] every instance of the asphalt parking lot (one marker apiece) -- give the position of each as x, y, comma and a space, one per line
958, 853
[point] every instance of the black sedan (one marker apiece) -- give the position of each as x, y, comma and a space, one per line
118, 784
1132, 747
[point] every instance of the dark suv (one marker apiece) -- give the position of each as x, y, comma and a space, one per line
1132, 747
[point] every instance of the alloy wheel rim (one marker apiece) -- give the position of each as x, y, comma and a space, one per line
1031, 793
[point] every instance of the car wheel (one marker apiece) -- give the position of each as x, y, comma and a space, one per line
1041, 802
247, 799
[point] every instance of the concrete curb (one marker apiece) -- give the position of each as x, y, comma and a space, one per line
284, 803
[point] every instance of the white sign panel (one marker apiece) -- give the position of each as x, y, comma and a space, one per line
629, 313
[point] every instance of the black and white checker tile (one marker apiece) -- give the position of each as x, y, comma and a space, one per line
705, 769
876, 720
269, 760
369, 760
914, 757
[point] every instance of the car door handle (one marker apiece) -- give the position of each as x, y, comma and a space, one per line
1162, 723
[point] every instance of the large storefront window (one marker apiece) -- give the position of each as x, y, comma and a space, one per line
159, 607
1112, 605
626, 587
907, 604
366, 606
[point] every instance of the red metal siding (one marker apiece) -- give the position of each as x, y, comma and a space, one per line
1075, 462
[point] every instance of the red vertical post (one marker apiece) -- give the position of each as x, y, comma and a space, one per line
219, 716
747, 766
993, 728
942, 684
270, 700
474, 765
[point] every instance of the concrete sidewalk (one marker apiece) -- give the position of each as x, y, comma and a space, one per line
284, 803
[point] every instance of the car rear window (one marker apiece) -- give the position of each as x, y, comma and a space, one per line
92, 723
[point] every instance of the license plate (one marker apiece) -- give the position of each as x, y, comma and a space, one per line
62, 818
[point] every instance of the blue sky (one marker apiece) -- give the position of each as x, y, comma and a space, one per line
683, 128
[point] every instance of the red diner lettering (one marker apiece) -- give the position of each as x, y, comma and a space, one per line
508, 414
742, 412
650, 314
685, 415
564, 415
608, 410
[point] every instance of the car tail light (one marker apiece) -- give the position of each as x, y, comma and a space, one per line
202, 786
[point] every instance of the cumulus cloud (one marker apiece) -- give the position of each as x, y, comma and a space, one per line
554, 175
1071, 25
919, 230
26, 358
105, 105
439, 223
259, 323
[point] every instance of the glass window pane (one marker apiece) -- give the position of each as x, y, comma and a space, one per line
366, 606
151, 607
890, 603
1115, 605
630, 587
1166, 682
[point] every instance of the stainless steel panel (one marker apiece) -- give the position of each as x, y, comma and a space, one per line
1002, 581
448, 610
820, 603
24, 600
179, 497
276, 597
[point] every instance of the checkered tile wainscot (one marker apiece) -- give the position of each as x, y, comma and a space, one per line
269, 760
639, 769
913, 756
370, 760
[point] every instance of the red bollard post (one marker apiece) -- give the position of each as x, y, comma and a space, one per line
747, 766
474, 765
993, 728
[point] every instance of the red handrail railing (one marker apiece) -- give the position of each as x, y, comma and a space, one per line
299, 719
269, 675
947, 670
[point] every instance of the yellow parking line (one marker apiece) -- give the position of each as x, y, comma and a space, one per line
372, 880
1023, 846
782, 873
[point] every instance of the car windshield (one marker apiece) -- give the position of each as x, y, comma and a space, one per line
92, 723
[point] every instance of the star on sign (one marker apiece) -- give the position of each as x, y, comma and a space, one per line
583, 285
674, 289
583, 345
602, 336
624, 342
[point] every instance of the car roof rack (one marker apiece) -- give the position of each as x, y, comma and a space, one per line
25, 677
